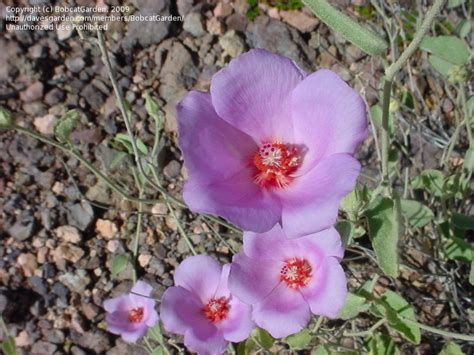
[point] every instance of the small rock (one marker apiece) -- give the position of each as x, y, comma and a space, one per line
22, 229
80, 215
68, 234
54, 96
43, 347
106, 228
144, 259
89, 310
58, 188
160, 209
214, 26
37, 285
75, 65
28, 263
172, 170
112, 246
232, 44
61, 291
67, 252
64, 31
41, 255
32, 93
97, 341
302, 22
23, 339
77, 282
45, 124
193, 24
222, 9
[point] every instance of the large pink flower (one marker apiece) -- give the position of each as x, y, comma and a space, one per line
270, 144
286, 280
202, 309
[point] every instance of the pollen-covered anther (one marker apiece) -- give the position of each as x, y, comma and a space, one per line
275, 163
296, 273
135, 315
217, 309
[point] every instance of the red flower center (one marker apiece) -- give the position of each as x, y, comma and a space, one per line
135, 315
217, 309
296, 273
275, 163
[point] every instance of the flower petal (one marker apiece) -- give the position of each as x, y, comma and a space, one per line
133, 336
283, 312
238, 199
328, 242
119, 303
256, 244
327, 290
238, 325
213, 150
180, 309
205, 339
142, 288
251, 280
328, 116
311, 203
199, 274
253, 94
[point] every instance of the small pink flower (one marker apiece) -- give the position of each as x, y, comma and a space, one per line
202, 309
131, 314
287, 280
270, 144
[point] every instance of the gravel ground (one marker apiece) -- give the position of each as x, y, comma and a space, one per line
60, 226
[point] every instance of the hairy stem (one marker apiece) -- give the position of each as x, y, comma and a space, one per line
87, 164
367, 332
466, 337
390, 74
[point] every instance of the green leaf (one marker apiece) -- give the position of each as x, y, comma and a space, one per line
158, 351
125, 141
263, 338
449, 48
65, 125
299, 340
155, 333
6, 118
245, 347
451, 348
469, 159
9, 346
441, 66
384, 231
462, 221
393, 307
432, 180
368, 41
353, 306
346, 230
119, 264
380, 344
464, 28
321, 350
417, 214
458, 249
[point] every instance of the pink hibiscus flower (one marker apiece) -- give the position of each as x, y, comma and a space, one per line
202, 309
270, 144
131, 314
287, 280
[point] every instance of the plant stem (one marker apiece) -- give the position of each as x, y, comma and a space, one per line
87, 164
367, 332
126, 119
466, 337
390, 74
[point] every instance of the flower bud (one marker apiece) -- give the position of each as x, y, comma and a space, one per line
457, 74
